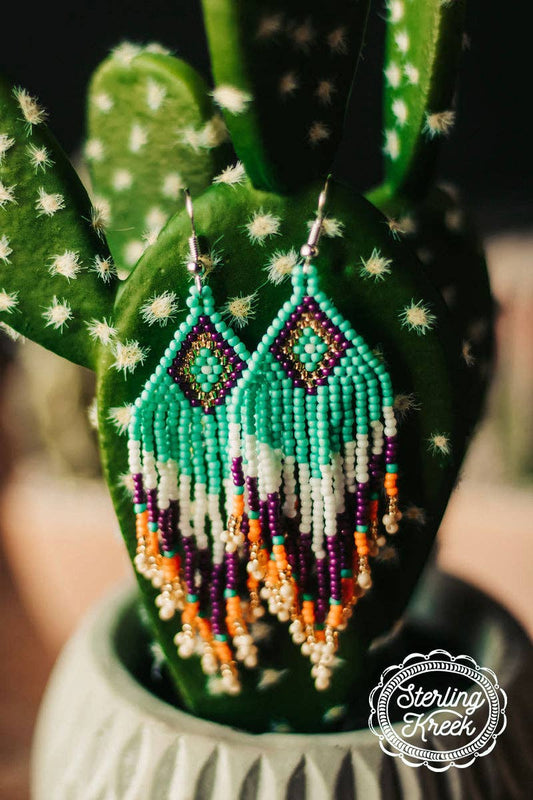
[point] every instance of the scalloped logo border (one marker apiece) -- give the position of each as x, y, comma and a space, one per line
417, 754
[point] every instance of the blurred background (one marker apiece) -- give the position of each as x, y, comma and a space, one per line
59, 545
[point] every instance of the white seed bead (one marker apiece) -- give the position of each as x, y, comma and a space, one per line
286, 591
186, 649
166, 611
209, 664
364, 580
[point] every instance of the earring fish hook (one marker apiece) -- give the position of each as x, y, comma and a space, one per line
194, 265
309, 250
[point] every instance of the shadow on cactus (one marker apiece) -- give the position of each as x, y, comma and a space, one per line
270, 427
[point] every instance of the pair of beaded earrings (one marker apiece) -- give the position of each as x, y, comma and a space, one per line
259, 477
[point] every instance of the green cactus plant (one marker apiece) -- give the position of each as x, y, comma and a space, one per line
251, 217
282, 76
423, 45
149, 113
422, 52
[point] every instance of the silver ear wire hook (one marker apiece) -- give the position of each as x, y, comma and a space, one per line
194, 266
310, 249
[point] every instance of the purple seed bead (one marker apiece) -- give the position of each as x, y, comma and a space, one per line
334, 567
273, 513
322, 594
189, 548
166, 545
217, 603
231, 560
138, 488
253, 494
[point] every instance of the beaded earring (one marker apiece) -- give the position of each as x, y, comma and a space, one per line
178, 441
311, 432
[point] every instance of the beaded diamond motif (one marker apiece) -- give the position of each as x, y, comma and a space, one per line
206, 367
309, 346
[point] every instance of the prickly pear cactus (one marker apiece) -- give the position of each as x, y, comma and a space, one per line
58, 277
282, 75
423, 45
58, 282
153, 130
422, 52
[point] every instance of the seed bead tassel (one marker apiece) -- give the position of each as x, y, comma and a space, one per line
319, 404
178, 442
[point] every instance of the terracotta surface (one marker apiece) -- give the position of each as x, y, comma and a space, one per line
487, 539
77, 521
24, 668
77, 553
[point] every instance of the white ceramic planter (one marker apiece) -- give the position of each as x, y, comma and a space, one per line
101, 735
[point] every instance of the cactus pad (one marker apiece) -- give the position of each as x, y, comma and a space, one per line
449, 249
56, 274
422, 50
282, 76
152, 131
